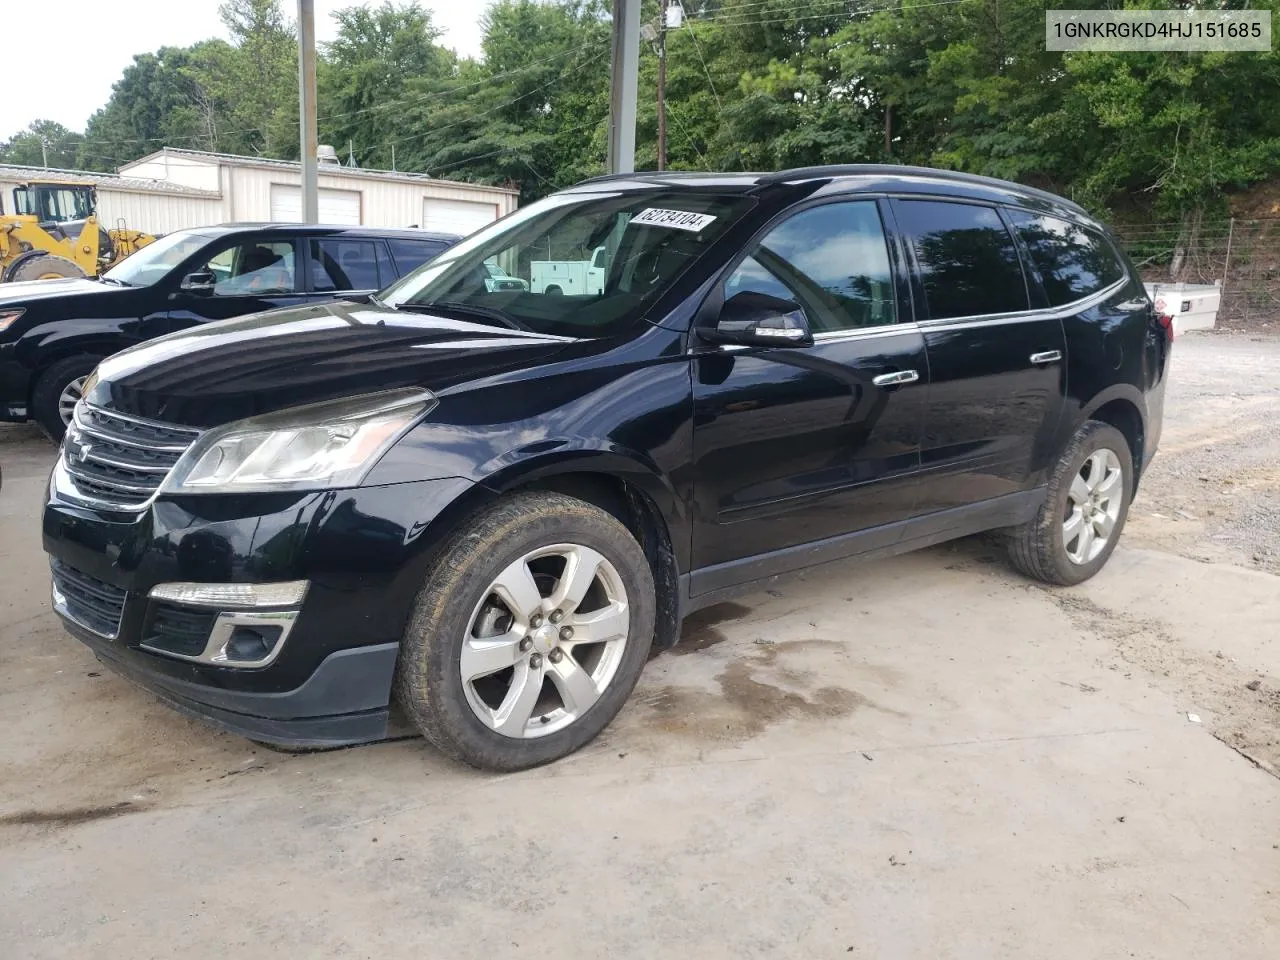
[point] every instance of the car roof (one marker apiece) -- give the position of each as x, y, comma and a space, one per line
322, 229
851, 178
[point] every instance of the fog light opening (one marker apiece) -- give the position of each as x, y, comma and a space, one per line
251, 644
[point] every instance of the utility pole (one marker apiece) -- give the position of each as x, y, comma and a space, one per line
307, 109
622, 86
44, 152
662, 85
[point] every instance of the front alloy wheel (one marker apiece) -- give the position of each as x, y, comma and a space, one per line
546, 641
69, 397
529, 634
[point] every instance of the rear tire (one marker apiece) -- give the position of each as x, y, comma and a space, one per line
1087, 496
553, 291
537, 701
47, 267
56, 386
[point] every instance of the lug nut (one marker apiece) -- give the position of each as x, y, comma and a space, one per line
556, 655
566, 633
556, 616
535, 621
535, 661
526, 645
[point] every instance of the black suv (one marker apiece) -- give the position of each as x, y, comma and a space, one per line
54, 332
492, 504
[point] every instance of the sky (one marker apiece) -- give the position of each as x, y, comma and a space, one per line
128, 27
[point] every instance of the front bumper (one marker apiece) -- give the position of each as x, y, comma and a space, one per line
363, 551
15, 388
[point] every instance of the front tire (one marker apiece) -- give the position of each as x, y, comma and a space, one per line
57, 390
529, 634
46, 267
1085, 508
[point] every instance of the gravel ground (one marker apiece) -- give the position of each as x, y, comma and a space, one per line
1213, 491
926, 756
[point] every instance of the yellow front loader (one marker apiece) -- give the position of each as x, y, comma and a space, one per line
54, 233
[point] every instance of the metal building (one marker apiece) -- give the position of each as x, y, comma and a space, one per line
171, 189
253, 188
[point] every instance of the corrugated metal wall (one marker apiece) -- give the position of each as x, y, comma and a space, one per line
156, 212
246, 196
152, 212
383, 203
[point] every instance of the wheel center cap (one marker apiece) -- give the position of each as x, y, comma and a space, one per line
545, 638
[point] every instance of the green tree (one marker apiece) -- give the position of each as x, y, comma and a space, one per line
265, 74
43, 140
381, 58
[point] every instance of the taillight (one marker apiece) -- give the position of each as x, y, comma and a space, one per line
1166, 324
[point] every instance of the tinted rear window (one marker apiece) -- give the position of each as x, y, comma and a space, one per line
411, 254
1073, 261
968, 261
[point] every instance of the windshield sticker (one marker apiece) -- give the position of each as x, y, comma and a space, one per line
675, 219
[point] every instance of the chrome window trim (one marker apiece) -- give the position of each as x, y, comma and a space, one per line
1017, 316
866, 333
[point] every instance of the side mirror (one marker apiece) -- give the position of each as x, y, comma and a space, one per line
202, 281
759, 320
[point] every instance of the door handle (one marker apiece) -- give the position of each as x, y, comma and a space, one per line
1049, 356
896, 379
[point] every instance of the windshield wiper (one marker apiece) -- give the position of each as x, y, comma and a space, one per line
466, 309
117, 282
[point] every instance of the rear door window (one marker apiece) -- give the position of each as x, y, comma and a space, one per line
342, 264
1073, 261
411, 254
968, 262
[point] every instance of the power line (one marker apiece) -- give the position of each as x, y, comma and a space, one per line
693, 35
693, 143
729, 20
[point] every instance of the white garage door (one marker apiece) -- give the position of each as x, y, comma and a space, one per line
457, 216
336, 206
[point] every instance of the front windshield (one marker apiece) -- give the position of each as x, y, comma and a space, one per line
154, 261
576, 264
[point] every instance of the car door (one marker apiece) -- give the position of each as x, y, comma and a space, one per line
820, 443
996, 358
249, 275
346, 265
410, 254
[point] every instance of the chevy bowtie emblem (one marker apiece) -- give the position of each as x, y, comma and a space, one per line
83, 453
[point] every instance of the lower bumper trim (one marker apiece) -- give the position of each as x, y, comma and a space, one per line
346, 701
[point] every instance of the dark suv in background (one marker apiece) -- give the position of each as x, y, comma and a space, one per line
54, 332
494, 503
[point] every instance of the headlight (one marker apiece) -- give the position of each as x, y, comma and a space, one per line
8, 316
332, 444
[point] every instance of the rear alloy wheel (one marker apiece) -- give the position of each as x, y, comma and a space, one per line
1094, 500
529, 634
1086, 503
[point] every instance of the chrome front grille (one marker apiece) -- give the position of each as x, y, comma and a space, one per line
117, 461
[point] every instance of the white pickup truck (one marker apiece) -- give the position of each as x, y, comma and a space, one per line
570, 276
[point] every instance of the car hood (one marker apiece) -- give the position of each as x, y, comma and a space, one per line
33, 291
233, 369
